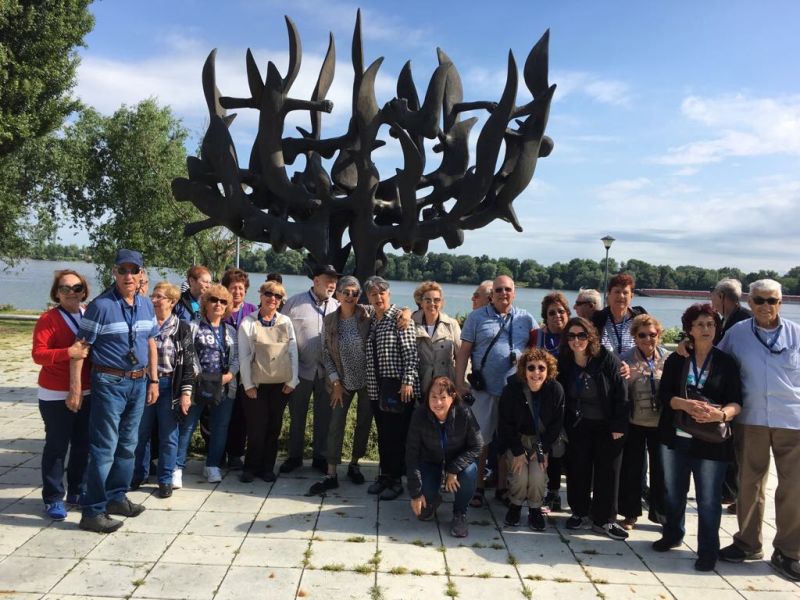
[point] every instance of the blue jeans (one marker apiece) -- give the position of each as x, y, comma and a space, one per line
117, 405
431, 475
64, 430
160, 413
218, 419
708, 475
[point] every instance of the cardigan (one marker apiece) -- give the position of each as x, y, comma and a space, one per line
51, 339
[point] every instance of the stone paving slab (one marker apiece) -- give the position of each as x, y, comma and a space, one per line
234, 540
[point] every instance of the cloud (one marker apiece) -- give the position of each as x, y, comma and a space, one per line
739, 126
604, 91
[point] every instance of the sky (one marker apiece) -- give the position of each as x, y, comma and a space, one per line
676, 124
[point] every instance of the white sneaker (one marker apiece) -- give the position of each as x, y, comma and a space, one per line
177, 479
214, 475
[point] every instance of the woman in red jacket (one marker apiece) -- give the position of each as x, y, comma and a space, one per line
63, 404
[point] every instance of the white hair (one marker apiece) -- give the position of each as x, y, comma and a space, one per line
589, 295
766, 285
729, 288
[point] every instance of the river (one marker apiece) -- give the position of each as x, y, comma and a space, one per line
27, 285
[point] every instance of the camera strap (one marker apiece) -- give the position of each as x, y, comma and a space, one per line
510, 321
535, 407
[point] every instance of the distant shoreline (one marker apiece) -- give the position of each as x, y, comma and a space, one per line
698, 294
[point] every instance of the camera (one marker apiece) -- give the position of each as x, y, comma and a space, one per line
469, 399
513, 358
539, 453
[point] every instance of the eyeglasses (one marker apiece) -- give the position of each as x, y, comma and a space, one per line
583, 302
500, 290
215, 300
644, 335
155, 297
350, 293
432, 300
272, 295
533, 368
582, 336
556, 312
75, 289
759, 300
134, 270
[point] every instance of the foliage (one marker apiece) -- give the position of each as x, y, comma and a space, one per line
114, 178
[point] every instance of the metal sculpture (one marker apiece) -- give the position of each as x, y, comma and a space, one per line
313, 208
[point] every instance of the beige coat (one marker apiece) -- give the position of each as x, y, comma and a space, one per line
437, 354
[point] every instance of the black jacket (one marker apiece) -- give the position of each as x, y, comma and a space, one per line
515, 418
424, 443
611, 388
740, 314
722, 386
185, 361
183, 308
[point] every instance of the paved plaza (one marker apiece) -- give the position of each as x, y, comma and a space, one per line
233, 540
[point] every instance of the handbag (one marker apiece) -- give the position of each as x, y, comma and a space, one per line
712, 433
271, 362
208, 389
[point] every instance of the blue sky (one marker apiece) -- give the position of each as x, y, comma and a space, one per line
676, 124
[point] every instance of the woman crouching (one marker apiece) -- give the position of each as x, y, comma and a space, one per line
443, 441
531, 415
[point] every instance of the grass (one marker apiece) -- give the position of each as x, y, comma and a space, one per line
365, 569
137, 582
512, 560
534, 577
451, 590
356, 539
526, 591
376, 559
496, 546
335, 567
398, 570
484, 575
376, 593
420, 543
417, 572
562, 579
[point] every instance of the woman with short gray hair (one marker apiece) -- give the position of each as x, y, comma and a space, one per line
344, 341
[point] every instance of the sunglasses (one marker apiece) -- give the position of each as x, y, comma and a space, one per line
500, 290
350, 293
533, 368
432, 300
556, 312
643, 336
583, 302
272, 295
582, 336
215, 300
758, 300
134, 270
75, 289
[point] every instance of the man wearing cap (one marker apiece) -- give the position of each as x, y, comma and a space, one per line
119, 326
307, 311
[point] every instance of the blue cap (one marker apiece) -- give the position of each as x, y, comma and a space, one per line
129, 256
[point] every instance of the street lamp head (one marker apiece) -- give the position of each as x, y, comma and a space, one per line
607, 241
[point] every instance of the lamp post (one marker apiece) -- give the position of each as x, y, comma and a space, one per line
607, 241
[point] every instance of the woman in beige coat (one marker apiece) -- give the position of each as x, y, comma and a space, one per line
438, 336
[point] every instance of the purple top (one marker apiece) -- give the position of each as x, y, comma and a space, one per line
235, 318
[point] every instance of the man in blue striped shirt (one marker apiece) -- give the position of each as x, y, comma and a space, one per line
119, 326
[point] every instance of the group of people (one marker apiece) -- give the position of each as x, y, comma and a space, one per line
500, 399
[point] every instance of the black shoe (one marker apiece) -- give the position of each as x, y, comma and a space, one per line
247, 477
269, 476
392, 490
135, 484
536, 519
354, 474
100, 524
377, 486
735, 554
578, 522
235, 463
290, 464
786, 566
320, 487
552, 501
320, 464
665, 545
705, 563
164, 490
513, 514
124, 508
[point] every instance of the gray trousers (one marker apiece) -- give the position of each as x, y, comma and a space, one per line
339, 421
298, 411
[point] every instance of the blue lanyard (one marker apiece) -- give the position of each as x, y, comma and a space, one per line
219, 338
618, 332
124, 306
70, 317
322, 311
238, 318
770, 343
270, 323
551, 341
699, 375
651, 363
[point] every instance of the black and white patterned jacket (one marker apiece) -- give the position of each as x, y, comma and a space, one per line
396, 352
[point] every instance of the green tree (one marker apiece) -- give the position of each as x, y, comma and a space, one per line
37, 73
114, 178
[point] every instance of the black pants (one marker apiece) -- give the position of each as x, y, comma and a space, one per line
64, 431
555, 467
264, 416
237, 428
593, 458
638, 440
392, 433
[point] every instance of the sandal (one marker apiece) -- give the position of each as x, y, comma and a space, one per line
478, 499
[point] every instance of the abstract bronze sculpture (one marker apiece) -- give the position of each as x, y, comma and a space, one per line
314, 208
